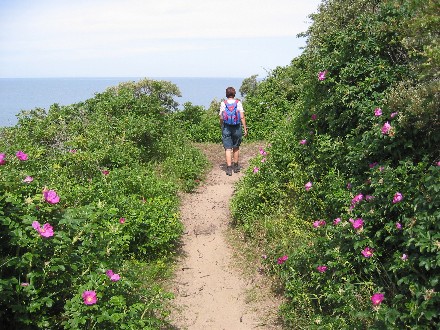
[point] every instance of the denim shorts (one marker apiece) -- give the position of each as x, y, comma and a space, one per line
231, 136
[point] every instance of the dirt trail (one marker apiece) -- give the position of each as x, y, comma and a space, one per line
211, 292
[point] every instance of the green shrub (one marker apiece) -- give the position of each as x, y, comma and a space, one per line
114, 165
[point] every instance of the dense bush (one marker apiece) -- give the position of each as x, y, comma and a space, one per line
89, 210
348, 189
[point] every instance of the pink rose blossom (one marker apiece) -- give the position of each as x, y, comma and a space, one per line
89, 297
263, 152
321, 75
386, 128
404, 257
282, 260
367, 252
314, 117
2, 159
319, 223
121, 220
303, 142
377, 298
115, 277
256, 169
357, 224
321, 269
51, 196
398, 226
356, 199
308, 185
21, 155
378, 112
45, 231
397, 197
394, 114
28, 179
336, 221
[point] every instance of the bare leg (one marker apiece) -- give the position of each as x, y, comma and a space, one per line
228, 155
236, 154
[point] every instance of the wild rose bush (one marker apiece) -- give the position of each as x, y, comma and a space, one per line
349, 189
86, 189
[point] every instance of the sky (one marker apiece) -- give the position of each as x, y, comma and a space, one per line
150, 38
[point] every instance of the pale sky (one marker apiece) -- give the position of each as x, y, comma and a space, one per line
146, 38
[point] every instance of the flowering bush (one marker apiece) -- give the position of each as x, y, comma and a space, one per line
88, 210
372, 128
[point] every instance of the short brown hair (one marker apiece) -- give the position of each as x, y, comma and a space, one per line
230, 92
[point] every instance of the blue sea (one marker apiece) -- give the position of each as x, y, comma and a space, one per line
18, 94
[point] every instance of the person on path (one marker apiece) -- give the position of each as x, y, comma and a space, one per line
233, 125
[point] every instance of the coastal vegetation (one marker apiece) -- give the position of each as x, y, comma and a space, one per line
342, 201
89, 210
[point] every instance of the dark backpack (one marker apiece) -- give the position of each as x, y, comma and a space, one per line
231, 115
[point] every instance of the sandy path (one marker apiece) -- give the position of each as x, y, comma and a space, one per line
210, 292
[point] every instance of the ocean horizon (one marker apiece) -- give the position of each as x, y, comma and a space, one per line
18, 94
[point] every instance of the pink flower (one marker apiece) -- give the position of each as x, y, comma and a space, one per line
24, 284
378, 112
263, 160
73, 151
381, 168
367, 252
89, 297
21, 155
308, 185
314, 117
321, 269
282, 260
348, 185
115, 277
398, 226
2, 159
105, 172
321, 75
256, 169
319, 223
263, 152
356, 199
369, 198
264, 256
438, 163
397, 197
303, 142
386, 128
404, 257
51, 196
372, 165
394, 114
336, 221
377, 298
45, 231
121, 220
28, 179
357, 224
